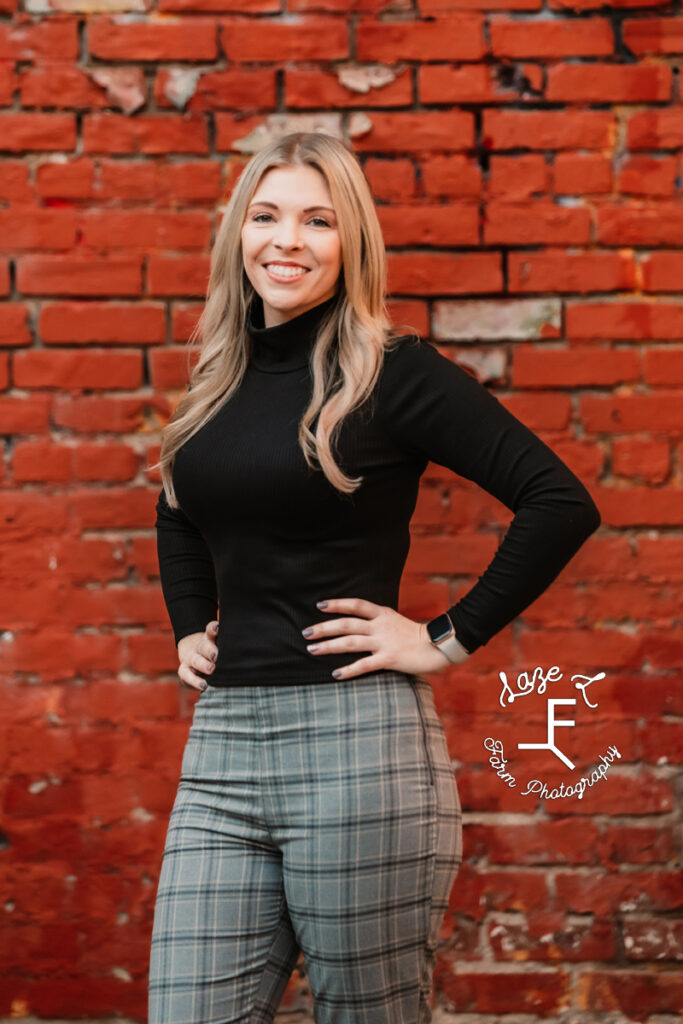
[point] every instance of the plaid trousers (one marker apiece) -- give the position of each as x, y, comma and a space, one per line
322, 818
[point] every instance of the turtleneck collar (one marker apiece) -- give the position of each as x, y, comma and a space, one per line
286, 346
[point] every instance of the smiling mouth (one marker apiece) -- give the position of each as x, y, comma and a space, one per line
289, 273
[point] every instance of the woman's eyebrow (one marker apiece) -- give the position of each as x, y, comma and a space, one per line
274, 206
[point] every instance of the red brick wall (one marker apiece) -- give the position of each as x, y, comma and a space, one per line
527, 166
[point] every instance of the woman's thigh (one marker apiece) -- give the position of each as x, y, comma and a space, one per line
222, 945
365, 809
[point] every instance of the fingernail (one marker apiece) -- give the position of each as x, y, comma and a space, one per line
203, 686
337, 672
321, 604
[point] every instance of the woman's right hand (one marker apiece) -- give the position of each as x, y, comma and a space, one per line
197, 652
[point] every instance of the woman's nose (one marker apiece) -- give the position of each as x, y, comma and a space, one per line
288, 233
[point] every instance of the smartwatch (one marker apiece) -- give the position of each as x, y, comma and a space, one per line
442, 635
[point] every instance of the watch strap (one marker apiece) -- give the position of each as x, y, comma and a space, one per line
452, 648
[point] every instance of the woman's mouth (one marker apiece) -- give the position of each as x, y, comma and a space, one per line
277, 272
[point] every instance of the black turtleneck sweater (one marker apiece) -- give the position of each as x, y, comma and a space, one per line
260, 537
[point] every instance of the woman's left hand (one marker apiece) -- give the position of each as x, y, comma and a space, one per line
395, 641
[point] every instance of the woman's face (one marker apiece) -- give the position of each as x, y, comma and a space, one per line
290, 219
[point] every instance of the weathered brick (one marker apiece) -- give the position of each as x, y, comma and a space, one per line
491, 320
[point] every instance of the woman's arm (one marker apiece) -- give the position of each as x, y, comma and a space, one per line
435, 409
188, 580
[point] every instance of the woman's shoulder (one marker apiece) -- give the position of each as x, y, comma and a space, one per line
410, 356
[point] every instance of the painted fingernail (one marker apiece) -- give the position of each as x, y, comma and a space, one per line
311, 647
307, 631
321, 604
337, 673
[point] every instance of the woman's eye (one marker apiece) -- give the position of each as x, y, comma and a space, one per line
321, 220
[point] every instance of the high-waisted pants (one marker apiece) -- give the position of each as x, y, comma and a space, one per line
322, 818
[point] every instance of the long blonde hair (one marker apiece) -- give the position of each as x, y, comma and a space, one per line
349, 349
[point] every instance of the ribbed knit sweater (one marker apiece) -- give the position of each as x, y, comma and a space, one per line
260, 537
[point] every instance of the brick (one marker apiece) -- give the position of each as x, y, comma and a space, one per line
60, 86
418, 133
551, 37
535, 222
639, 223
654, 35
313, 38
655, 129
628, 414
330, 92
105, 322
57, 275
233, 89
560, 270
540, 129
477, 83
94, 414
391, 179
486, 992
249, 133
637, 994
653, 940
8, 83
222, 6
455, 224
662, 366
179, 275
586, 940
581, 174
648, 176
439, 273
518, 177
15, 328
641, 459
74, 179
32, 227
626, 320
143, 229
14, 183
26, 39
641, 506
533, 367
492, 320
457, 37
452, 175
37, 132
42, 461
151, 134
69, 369
590, 5
155, 39
608, 83
662, 271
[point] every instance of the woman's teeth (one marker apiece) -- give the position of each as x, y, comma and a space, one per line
286, 271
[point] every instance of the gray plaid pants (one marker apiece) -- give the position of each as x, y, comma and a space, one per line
322, 818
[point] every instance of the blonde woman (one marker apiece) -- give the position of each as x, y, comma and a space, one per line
317, 808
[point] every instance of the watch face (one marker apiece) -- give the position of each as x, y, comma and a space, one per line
439, 628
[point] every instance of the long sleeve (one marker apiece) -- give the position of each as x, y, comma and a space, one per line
436, 410
186, 569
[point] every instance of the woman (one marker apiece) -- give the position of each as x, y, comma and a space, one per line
317, 809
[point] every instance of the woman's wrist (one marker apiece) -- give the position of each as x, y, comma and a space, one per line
440, 635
